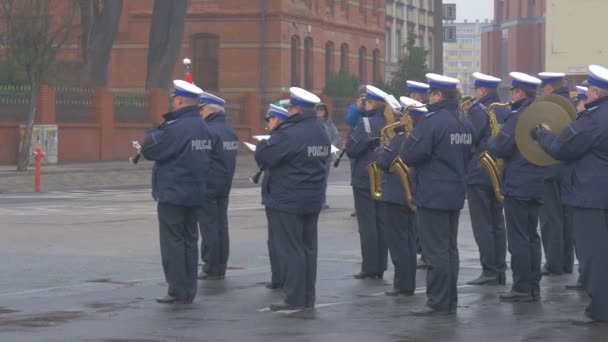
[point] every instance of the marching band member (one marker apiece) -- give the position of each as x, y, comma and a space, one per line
522, 189
555, 233
439, 147
360, 147
180, 148
583, 146
487, 219
294, 192
213, 215
275, 117
396, 216
581, 98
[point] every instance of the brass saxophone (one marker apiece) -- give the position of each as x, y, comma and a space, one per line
486, 161
375, 174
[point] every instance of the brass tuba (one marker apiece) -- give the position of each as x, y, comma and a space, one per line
486, 161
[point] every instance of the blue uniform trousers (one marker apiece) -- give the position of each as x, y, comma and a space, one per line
213, 224
277, 265
398, 231
591, 236
440, 248
524, 243
555, 233
374, 252
489, 230
178, 233
297, 251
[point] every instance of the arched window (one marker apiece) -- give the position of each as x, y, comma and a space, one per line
308, 64
205, 63
376, 66
295, 61
363, 65
344, 57
329, 60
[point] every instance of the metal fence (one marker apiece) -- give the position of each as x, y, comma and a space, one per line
74, 104
340, 107
130, 105
234, 107
14, 102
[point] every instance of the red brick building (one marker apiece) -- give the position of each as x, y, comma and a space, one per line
516, 39
238, 46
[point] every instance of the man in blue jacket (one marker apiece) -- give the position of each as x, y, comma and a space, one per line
213, 215
360, 147
294, 192
555, 232
180, 148
487, 218
583, 146
522, 187
439, 147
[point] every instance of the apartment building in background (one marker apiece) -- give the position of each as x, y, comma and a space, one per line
462, 56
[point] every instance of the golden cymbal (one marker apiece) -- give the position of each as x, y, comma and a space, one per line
548, 113
562, 101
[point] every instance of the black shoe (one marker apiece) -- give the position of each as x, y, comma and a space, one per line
545, 271
172, 300
285, 307
484, 280
211, 277
395, 292
429, 311
274, 286
353, 213
514, 296
576, 286
586, 321
364, 275
421, 263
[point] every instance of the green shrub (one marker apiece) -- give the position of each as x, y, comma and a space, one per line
342, 84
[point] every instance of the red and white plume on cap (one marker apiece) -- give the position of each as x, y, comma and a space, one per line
188, 77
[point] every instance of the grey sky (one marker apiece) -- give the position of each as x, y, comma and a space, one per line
473, 9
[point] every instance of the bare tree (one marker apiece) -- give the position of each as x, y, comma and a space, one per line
165, 41
99, 20
33, 34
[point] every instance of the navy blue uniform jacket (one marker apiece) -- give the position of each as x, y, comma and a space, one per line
439, 147
360, 147
225, 143
295, 157
520, 178
557, 171
583, 146
392, 188
180, 149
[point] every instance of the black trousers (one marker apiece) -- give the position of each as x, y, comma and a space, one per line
374, 252
489, 230
179, 248
215, 242
277, 265
591, 236
440, 248
524, 243
398, 231
555, 232
297, 250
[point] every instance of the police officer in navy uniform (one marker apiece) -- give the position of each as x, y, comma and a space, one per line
583, 146
487, 219
439, 147
556, 234
581, 98
275, 117
213, 215
396, 216
294, 192
417, 91
360, 147
180, 148
522, 184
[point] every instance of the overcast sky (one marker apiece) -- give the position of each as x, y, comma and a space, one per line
473, 9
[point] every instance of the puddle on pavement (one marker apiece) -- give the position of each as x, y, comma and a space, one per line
112, 281
42, 320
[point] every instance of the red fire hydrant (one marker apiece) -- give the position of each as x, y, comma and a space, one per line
39, 155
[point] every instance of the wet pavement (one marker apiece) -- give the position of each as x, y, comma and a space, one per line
84, 265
